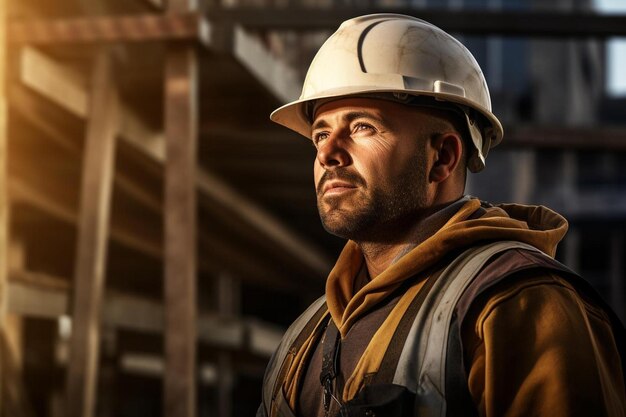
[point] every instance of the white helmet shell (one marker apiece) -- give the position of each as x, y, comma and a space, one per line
392, 53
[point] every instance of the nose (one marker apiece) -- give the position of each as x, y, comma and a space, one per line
332, 153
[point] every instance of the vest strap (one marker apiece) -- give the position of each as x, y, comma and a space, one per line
279, 363
390, 360
330, 349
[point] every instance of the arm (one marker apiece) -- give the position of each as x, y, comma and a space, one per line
535, 348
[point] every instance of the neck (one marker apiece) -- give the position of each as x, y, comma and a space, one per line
379, 256
392, 242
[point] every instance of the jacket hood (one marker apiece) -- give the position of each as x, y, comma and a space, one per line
474, 223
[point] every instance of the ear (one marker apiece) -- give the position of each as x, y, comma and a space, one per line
448, 149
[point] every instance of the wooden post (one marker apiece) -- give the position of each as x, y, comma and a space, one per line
229, 293
181, 131
89, 273
4, 202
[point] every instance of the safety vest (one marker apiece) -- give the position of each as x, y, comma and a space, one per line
427, 376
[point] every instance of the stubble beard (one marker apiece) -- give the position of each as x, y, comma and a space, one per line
373, 213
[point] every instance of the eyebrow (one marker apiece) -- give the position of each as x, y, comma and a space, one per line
348, 117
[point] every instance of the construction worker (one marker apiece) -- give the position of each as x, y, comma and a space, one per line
439, 304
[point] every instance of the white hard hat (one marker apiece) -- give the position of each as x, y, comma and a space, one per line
392, 53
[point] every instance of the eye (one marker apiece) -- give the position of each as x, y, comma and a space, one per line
318, 137
363, 127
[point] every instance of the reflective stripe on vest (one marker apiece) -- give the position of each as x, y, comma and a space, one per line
422, 364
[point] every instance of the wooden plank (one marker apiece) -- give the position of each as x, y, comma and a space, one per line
282, 81
93, 231
153, 366
566, 137
66, 88
23, 192
226, 256
37, 295
100, 29
180, 289
29, 108
15, 401
267, 224
228, 303
50, 79
480, 22
4, 208
42, 296
262, 337
219, 254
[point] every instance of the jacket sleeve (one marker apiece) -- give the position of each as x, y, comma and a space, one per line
533, 347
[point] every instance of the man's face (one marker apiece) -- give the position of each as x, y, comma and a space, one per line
371, 169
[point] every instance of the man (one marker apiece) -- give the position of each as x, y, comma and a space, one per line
439, 305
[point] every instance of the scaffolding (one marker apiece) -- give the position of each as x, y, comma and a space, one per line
145, 186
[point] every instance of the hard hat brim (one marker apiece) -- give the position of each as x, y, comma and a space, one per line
293, 115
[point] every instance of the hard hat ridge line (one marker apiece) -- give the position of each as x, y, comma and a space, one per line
361, 41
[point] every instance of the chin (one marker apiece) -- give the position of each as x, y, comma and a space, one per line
347, 225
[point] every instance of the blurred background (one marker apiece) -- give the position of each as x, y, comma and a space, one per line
158, 233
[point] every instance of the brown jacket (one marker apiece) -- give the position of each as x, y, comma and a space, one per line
532, 346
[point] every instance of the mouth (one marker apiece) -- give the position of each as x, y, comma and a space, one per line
333, 188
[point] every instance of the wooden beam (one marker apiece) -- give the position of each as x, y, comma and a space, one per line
566, 137
37, 295
217, 253
12, 349
154, 366
220, 255
42, 296
101, 29
261, 266
282, 81
66, 88
54, 81
479, 22
228, 293
51, 79
262, 336
30, 110
267, 224
23, 192
259, 169
264, 141
15, 400
93, 233
180, 289
4, 209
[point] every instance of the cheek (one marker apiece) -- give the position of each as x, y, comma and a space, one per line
398, 165
381, 148
373, 155
376, 160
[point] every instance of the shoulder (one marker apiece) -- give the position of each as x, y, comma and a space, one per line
308, 318
534, 286
303, 325
533, 298
536, 342
528, 277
